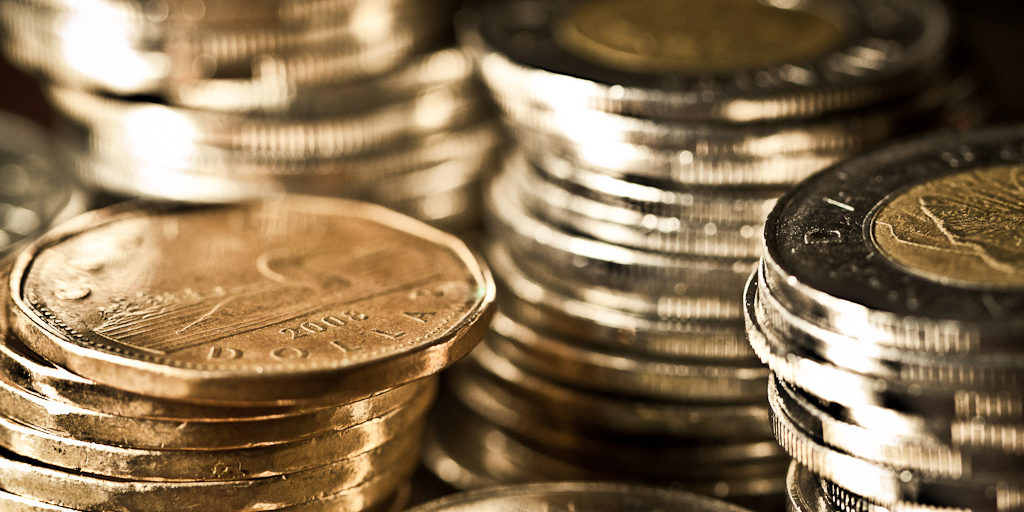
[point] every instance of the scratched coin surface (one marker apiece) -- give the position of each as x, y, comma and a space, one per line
962, 229
652, 36
270, 301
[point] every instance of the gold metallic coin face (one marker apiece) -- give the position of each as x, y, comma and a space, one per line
278, 286
694, 36
962, 229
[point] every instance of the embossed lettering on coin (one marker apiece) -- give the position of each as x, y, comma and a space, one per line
658, 36
967, 228
251, 286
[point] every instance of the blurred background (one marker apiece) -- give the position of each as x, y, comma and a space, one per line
993, 31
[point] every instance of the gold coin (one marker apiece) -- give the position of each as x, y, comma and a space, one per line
383, 492
78, 490
961, 229
90, 425
695, 36
317, 449
260, 303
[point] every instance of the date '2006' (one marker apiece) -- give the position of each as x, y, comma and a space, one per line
324, 324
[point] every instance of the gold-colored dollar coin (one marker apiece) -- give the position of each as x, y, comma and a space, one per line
959, 229
260, 303
77, 490
343, 446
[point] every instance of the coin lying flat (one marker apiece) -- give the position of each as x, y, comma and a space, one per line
580, 496
328, 297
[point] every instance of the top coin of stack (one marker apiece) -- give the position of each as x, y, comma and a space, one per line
276, 355
889, 307
223, 100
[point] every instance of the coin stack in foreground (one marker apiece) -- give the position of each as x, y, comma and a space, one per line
34, 194
655, 143
578, 497
888, 306
221, 100
277, 355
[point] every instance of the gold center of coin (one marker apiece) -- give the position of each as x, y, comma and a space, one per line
694, 36
263, 286
966, 228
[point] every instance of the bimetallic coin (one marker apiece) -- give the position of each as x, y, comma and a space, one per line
264, 302
640, 60
911, 247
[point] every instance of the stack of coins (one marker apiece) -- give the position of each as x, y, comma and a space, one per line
277, 355
889, 307
222, 100
576, 496
655, 137
34, 193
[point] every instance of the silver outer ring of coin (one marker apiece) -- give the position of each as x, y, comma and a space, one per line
595, 261
923, 456
834, 384
699, 205
556, 203
491, 31
710, 142
879, 483
675, 166
624, 374
829, 284
984, 372
805, 493
487, 370
676, 338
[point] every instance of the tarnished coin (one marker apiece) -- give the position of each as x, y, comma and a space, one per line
267, 302
912, 247
584, 497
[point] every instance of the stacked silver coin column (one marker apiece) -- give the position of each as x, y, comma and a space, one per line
890, 307
655, 135
221, 100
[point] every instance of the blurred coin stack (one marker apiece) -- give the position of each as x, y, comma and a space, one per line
888, 307
581, 496
655, 137
34, 193
221, 100
268, 356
